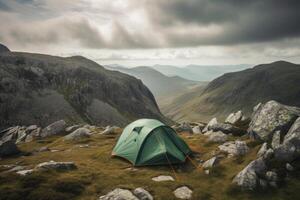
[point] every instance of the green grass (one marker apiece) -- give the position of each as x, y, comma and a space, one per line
98, 173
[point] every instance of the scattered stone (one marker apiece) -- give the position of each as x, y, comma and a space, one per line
142, 194
55, 128
210, 163
183, 192
43, 149
72, 128
263, 149
56, 165
234, 148
206, 171
218, 137
25, 172
16, 168
197, 130
84, 146
8, 148
78, 134
110, 130
248, 178
235, 118
270, 117
227, 128
210, 123
55, 150
119, 194
163, 178
276, 140
289, 167
184, 127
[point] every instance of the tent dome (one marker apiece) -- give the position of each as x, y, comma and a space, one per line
150, 142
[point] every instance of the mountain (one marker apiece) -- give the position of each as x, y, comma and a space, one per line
239, 91
199, 72
159, 84
40, 89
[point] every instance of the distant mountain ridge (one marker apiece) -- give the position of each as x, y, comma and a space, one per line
240, 91
158, 83
40, 89
199, 72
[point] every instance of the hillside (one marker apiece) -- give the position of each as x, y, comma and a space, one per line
199, 72
240, 90
159, 84
41, 89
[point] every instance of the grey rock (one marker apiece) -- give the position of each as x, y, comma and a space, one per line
17, 168
31, 128
183, 193
234, 148
218, 137
184, 127
289, 167
56, 166
25, 172
248, 178
263, 183
270, 117
197, 130
55, 128
210, 123
8, 148
142, 194
43, 149
271, 176
110, 130
285, 152
276, 140
293, 135
257, 107
119, 194
227, 128
72, 128
263, 149
268, 155
78, 134
210, 163
163, 178
235, 118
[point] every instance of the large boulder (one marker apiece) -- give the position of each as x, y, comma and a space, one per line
212, 122
227, 128
119, 194
271, 117
78, 134
290, 148
55, 128
234, 148
248, 178
218, 137
8, 148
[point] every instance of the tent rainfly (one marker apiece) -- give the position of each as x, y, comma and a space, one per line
150, 142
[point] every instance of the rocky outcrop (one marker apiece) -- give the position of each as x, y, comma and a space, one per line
234, 148
3, 49
78, 134
20, 134
8, 148
272, 117
55, 128
227, 128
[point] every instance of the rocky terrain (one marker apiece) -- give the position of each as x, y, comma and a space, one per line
241, 157
41, 89
239, 91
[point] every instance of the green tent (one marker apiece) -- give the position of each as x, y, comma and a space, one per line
150, 142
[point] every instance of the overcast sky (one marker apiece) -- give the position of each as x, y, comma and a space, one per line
146, 32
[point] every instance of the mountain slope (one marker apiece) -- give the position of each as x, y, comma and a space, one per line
198, 72
241, 90
159, 84
39, 89
3, 48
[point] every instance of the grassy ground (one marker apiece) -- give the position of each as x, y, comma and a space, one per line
98, 173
